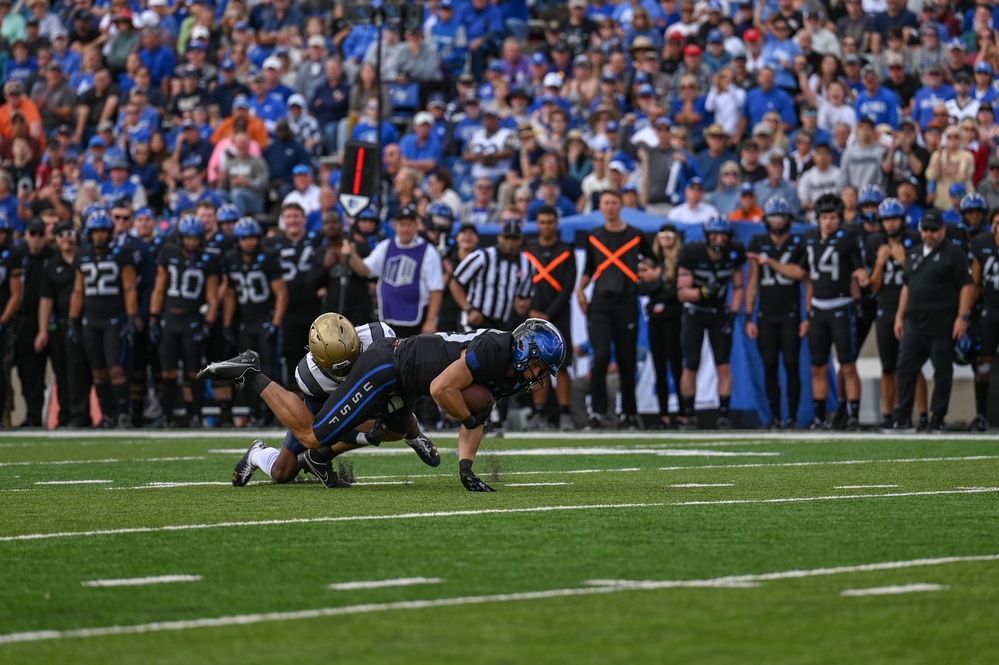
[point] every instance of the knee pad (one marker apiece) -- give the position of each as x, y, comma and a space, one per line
399, 420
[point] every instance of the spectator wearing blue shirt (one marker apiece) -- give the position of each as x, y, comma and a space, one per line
21, 66
982, 91
934, 93
70, 60
420, 149
158, 58
277, 17
550, 195
779, 52
193, 190
8, 202
330, 104
227, 89
356, 44
267, 106
282, 156
688, 110
272, 77
366, 128
483, 25
896, 15
876, 102
448, 38
716, 57
763, 99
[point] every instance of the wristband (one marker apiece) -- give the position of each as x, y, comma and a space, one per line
471, 422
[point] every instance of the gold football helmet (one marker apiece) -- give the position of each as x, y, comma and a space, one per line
333, 343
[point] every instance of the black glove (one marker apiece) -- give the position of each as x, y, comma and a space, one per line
379, 430
270, 330
74, 332
472, 482
130, 332
229, 336
477, 419
154, 329
730, 317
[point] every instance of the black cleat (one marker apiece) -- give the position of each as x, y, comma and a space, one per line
426, 449
937, 425
244, 468
689, 425
852, 424
630, 423
472, 482
979, 424
232, 369
594, 424
322, 470
903, 425
723, 423
818, 425
776, 425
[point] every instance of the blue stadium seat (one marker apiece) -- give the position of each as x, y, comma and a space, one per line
405, 99
465, 186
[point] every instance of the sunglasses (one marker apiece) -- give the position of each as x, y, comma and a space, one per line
121, 218
37, 234
66, 234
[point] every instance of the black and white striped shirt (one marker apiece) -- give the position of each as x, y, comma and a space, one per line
492, 282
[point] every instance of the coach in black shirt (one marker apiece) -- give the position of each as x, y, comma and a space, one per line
933, 311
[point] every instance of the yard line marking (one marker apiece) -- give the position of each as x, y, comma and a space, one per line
106, 461
872, 487
597, 587
141, 581
706, 485
801, 574
894, 590
318, 520
467, 513
382, 584
551, 452
851, 462
837, 497
73, 482
534, 484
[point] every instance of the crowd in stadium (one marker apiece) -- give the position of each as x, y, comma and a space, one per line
171, 170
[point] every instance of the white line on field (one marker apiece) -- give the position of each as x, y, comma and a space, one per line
553, 452
382, 584
703, 485
872, 487
894, 590
600, 587
535, 484
142, 581
73, 482
104, 461
467, 513
850, 462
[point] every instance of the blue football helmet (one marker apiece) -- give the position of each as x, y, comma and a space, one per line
870, 195
439, 216
776, 205
247, 227
90, 210
974, 201
538, 339
891, 207
966, 349
99, 221
227, 212
190, 225
717, 224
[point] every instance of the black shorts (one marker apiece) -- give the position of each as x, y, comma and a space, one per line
104, 342
829, 327
988, 328
887, 342
182, 338
694, 326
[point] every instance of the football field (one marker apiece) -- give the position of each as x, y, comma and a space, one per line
613, 548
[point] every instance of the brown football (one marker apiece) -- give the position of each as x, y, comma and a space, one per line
477, 397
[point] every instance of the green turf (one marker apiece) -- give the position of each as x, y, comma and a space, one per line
617, 518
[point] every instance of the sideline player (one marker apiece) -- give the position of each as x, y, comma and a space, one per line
440, 365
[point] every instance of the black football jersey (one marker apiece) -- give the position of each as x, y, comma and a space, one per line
831, 262
186, 278
103, 295
57, 284
252, 282
11, 265
554, 277
709, 272
424, 357
219, 243
894, 275
778, 294
297, 260
984, 250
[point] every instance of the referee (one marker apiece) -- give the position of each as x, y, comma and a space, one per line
933, 311
493, 285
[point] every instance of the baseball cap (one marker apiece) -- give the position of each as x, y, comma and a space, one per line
641, 43
241, 102
618, 166
962, 77
751, 35
869, 70
608, 77
577, 3
272, 63
692, 49
932, 220
198, 45
468, 226
297, 99
934, 69
747, 188
611, 126
241, 25
958, 189
423, 118
762, 129
491, 110
119, 164
96, 142
302, 169
539, 58
628, 187
228, 65
143, 212
695, 182
983, 67
549, 180
495, 66
715, 130
552, 80
437, 100
851, 59
407, 212
956, 43
646, 90
317, 40
446, 4
675, 36
511, 229
715, 36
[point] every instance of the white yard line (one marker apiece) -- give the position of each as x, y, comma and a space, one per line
105, 461
702, 485
598, 587
468, 513
894, 590
142, 581
73, 482
872, 487
535, 484
383, 584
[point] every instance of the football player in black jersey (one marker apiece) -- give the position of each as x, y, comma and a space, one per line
11, 289
298, 250
707, 269
985, 273
218, 241
775, 275
257, 295
106, 298
972, 228
836, 270
886, 255
187, 279
437, 364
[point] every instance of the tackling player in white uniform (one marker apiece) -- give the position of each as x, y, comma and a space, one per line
334, 345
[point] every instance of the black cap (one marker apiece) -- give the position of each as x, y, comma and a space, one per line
932, 220
511, 229
64, 226
468, 226
36, 226
407, 212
